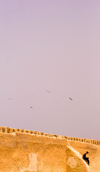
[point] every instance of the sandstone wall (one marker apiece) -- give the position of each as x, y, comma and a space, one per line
28, 151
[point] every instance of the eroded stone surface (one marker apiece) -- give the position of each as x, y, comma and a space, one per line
33, 163
72, 162
22, 151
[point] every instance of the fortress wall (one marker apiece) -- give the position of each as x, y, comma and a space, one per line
74, 163
12, 130
94, 153
31, 151
24, 151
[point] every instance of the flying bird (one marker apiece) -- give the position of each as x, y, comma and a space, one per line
70, 98
48, 91
31, 107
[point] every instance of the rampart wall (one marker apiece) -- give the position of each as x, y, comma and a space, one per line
13, 130
31, 151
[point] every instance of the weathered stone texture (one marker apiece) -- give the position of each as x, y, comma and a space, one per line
29, 151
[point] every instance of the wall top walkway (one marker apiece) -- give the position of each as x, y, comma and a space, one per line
8, 130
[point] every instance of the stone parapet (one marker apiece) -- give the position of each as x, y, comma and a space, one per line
8, 130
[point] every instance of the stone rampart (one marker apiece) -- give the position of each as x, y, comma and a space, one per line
13, 130
31, 151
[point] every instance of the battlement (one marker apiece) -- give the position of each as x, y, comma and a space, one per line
13, 130
24, 150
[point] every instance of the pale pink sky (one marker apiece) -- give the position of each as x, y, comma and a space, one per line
50, 45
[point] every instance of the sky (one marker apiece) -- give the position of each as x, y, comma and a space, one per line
49, 53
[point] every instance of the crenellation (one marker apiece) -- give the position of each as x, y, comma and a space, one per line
55, 135
91, 141
43, 134
9, 130
31, 132
22, 131
95, 142
73, 138
33, 147
76, 139
27, 131
63, 137
79, 140
36, 132
18, 130
39, 133
87, 141
59, 136
46, 134
4, 129
98, 142
13, 130
84, 140
50, 135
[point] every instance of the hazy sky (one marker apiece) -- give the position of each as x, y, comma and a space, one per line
50, 45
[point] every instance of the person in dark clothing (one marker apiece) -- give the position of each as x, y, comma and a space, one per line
86, 158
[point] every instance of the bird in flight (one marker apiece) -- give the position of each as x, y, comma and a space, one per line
31, 107
48, 91
70, 98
